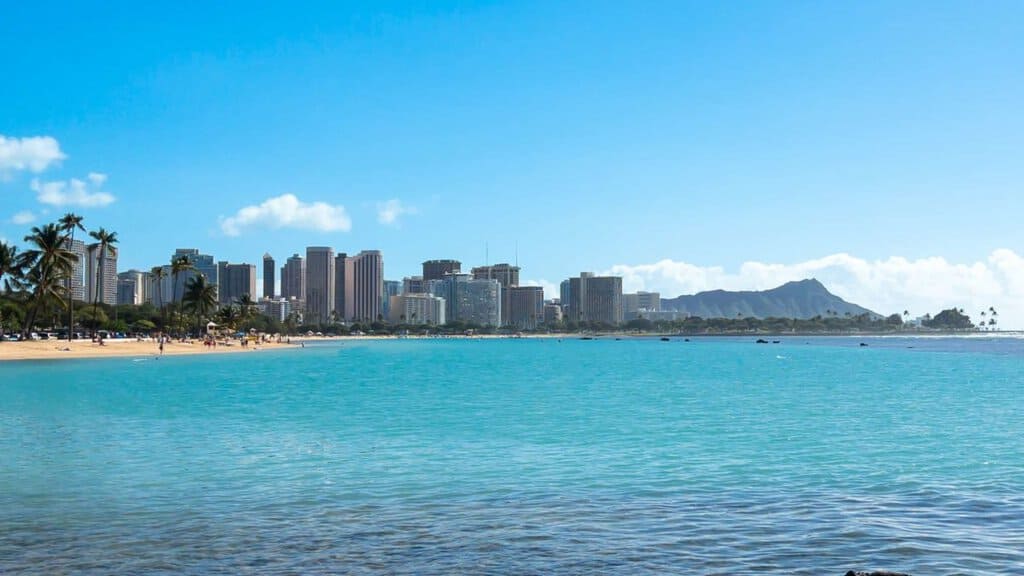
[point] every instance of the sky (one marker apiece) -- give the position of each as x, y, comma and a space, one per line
683, 145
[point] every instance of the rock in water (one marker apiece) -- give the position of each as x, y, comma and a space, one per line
876, 573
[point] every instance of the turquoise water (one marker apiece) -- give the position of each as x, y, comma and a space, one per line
520, 456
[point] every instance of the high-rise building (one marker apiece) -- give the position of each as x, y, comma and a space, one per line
101, 275
391, 288
526, 307
417, 309
468, 300
635, 305
319, 284
506, 274
236, 280
77, 280
413, 285
293, 278
269, 275
436, 269
159, 288
364, 286
132, 287
340, 281
590, 298
201, 264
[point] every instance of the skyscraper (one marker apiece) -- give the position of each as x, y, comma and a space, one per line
201, 264
391, 288
293, 278
319, 284
236, 280
101, 275
526, 307
364, 286
436, 269
269, 273
593, 299
340, 280
78, 269
506, 274
468, 300
132, 287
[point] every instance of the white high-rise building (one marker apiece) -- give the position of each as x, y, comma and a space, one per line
417, 309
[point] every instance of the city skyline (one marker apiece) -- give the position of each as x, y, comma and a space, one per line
684, 147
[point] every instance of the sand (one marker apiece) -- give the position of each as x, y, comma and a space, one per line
59, 349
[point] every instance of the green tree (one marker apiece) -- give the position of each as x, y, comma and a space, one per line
200, 298
68, 224
159, 273
48, 263
104, 245
179, 264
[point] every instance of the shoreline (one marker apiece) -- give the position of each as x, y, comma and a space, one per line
85, 349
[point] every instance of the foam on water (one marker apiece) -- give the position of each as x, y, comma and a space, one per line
519, 456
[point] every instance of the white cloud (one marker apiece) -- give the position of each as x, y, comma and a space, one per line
23, 217
73, 192
35, 154
287, 211
925, 285
388, 213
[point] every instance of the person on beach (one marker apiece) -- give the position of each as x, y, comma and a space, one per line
161, 344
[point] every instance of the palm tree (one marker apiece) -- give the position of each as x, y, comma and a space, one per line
246, 305
9, 267
47, 264
68, 224
104, 245
227, 316
159, 273
200, 298
179, 264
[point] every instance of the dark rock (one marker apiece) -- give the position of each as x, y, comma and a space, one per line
762, 341
876, 573
864, 344
664, 339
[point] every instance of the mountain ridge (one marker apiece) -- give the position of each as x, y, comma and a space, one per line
801, 299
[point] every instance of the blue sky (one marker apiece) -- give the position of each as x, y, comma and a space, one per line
593, 136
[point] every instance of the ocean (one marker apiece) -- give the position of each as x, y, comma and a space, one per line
521, 456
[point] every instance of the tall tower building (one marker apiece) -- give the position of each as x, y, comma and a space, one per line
236, 280
293, 278
101, 275
364, 286
78, 281
593, 299
201, 264
526, 307
340, 280
131, 287
269, 273
319, 284
506, 274
436, 269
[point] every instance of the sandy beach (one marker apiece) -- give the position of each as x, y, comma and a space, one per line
58, 349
